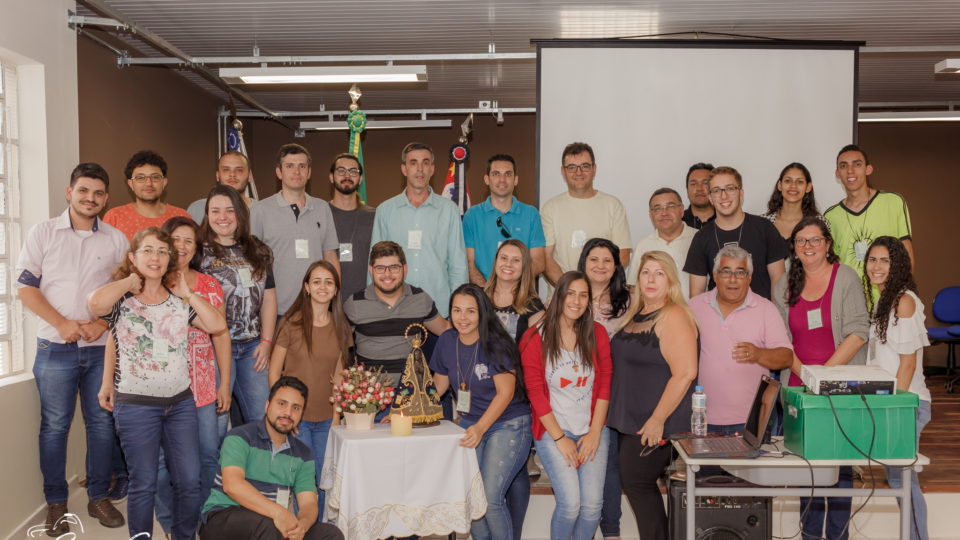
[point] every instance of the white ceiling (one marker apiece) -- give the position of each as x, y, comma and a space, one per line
203, 28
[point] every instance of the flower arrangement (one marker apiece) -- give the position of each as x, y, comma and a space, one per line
362, 390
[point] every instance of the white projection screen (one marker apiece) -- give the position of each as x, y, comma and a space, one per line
650, 110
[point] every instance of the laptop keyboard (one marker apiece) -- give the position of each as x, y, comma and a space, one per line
720, 444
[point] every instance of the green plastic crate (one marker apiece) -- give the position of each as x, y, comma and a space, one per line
810, 429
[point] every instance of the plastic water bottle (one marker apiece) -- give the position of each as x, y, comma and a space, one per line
698, 420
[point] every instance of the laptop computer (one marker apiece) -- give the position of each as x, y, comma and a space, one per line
757, 425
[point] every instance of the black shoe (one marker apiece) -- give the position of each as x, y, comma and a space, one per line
55, 524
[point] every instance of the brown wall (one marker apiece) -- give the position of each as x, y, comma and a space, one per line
125, 110
381, 154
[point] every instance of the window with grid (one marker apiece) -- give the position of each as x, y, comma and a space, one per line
11, 345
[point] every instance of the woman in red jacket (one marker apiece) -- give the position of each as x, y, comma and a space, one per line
566, 367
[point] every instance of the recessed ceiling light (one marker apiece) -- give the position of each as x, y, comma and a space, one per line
324, 74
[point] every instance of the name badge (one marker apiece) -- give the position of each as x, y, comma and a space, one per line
246, 278
302, 248
161, 349
578, 239
463, 401
283, 497
814, 319
860, 250
414, 239
346, 252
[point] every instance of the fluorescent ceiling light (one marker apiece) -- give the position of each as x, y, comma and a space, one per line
324, 74
910, 116
950, 65
378, 124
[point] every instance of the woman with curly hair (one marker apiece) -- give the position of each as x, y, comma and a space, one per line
897, 338
825, 311
792, 199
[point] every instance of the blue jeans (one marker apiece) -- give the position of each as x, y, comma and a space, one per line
611, 512
60, 371
579, 491
502, 452
918, 531
251, 389
518, 497
143, 429
836, 511
209, 465
314, 435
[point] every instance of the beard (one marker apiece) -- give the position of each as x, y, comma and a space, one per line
388, 291
346, 189
282, 430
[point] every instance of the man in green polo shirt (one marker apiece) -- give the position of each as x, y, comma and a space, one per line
261, 467
865, 213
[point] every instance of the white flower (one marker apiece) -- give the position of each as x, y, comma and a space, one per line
353, 407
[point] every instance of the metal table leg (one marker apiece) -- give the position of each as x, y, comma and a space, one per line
691, 501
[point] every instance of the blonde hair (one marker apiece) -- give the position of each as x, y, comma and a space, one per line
674, 290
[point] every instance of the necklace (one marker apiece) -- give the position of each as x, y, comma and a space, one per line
463, 384
739, 235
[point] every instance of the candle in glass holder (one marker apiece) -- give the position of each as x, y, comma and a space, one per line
401, 425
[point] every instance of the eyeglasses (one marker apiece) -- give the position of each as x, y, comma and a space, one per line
503, 230
727, 273
343, 171
812, 242
382, 269
585, 167
665, 208
647, 450
153, 178
729, 190
150, 252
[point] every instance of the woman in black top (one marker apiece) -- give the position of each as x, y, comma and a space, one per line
513, 290
655, 358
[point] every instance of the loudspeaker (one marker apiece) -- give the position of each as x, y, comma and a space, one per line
721, 518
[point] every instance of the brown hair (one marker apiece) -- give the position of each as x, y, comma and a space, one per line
386, 248
126, 267
726, 170
254, 251
301, 311
526, 289
549, 326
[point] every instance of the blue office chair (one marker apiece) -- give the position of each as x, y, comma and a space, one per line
946, 309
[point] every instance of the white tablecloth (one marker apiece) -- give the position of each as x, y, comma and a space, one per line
378, 485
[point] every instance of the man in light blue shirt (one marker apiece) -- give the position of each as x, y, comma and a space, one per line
499, 218
427, 226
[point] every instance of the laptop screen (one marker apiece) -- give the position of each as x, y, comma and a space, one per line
759, 418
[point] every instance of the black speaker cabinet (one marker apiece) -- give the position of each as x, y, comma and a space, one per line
721, 518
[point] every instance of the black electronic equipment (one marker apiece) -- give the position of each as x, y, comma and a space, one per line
721, 518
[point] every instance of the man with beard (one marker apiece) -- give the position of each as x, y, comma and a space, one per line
64, 259
261, 467
427, 226
354, 222
500, 218
146, 174
700, 210
382, 311
233, 169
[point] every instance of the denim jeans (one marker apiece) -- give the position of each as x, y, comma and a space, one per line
143, 429
518, 497
314, 435
209, 466
611, 512
502, 452
251, 389
60, 371
918, 530
835, 510
578, 490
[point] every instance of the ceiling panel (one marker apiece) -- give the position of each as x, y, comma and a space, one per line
382, 27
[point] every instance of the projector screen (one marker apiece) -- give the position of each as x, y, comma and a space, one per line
652, 109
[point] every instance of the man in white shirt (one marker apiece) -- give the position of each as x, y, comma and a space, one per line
582, 213
672, 235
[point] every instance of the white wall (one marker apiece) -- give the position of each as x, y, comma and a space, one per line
34, 35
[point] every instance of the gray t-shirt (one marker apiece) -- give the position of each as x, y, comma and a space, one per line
196, 209
297, 240
354, 228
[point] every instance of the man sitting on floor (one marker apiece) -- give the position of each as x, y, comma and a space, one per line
260, 465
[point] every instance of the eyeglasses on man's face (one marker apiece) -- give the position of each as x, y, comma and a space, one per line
381, 269
584, 167
727, 273
155, 178
343, 171
660, 208
729, 190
